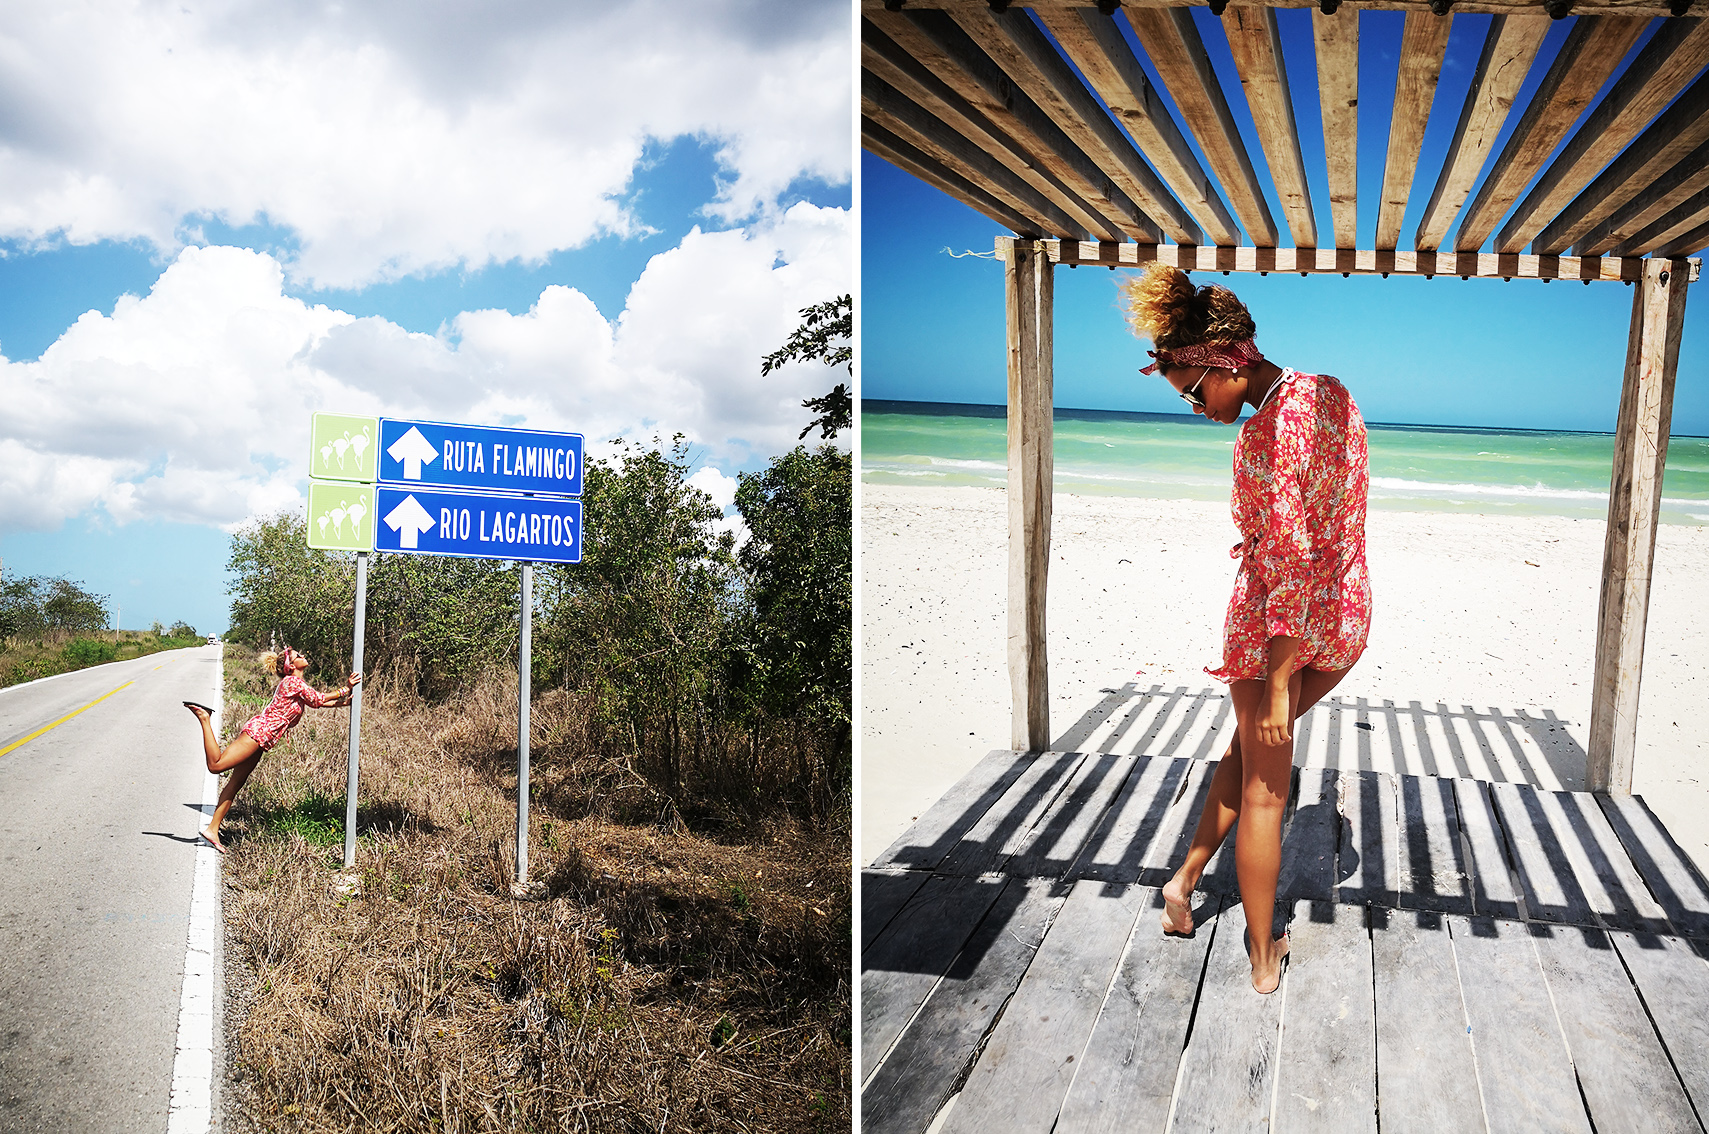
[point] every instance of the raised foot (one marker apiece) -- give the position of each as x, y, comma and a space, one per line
213, 840
1268, 978
201, 711
1177, 910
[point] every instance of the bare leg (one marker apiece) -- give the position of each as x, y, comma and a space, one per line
1258, 842
239, 776
1222, 807
236, 753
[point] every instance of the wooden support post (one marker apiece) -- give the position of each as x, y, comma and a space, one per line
1027, 289
1634, 503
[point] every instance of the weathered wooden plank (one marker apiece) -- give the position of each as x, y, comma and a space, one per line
1433, 868
1228, 1069
1422, 45
1117, 850
1053, 844
1326, 1074
1175, 831
887, 59
1648, 9
1308, 847
1510, 47
1688, 177
1173, 45
1369, 863
1127, 1073
1014, 41
1634, 507
1617, 893
1337, 44
1426, 1074
923, 845
1669, 234
1029, 306
904, 1093
905, 156
1670, 60
1670, 875
1001, 829
1693, 241
1026, 1068
1551, 887
1094, 43
1485, 265
884, 104
940, 45
905, 962
883, 893
1621, 1066
1679, 130
1593, 49
1493, 890
1523, 1066
1256, 44
1673, 980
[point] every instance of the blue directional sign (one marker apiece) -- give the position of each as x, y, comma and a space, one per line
481, 457
435, 521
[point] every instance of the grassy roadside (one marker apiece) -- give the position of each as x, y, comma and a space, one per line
672, 978
26, 659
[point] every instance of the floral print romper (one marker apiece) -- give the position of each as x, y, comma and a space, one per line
292, 697
1301, 478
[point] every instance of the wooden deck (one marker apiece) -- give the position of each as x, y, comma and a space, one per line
1467, 955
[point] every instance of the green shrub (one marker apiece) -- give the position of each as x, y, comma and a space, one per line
90, 651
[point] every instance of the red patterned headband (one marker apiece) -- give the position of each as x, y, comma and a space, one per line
286, 658
1228, 356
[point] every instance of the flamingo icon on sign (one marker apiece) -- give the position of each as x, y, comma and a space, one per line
412, 450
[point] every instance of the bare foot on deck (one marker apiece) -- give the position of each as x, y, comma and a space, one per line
1268, 978
1177, 909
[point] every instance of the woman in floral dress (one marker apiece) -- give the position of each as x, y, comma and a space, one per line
1301, 609
264, 729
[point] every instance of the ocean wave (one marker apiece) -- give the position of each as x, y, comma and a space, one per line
1440, 488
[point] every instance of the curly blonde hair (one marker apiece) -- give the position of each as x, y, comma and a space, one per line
272, 662
1165, 307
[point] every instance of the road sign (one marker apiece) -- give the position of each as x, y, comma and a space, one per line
343, 447
436, 521
341, 516
479, 457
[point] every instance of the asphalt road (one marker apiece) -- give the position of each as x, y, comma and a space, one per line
98, 821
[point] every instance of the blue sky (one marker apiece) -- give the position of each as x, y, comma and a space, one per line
408, 214
1445, 351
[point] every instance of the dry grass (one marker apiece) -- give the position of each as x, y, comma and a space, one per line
672, 979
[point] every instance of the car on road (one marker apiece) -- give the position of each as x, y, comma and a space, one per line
213, 639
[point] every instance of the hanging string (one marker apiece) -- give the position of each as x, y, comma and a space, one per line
992, 255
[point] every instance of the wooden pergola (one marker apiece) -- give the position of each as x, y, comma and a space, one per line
1041, 116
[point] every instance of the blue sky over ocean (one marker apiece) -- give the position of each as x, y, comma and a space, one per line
1478, 352
419, 214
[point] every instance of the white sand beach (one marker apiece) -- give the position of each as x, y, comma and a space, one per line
1479, 661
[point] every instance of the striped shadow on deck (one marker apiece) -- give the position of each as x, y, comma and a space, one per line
1466, 956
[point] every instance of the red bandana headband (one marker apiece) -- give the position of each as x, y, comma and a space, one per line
286, 658
1227, 356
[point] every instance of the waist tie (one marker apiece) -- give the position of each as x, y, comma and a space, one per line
1244, 547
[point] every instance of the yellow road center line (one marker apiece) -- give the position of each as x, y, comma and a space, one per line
61, 720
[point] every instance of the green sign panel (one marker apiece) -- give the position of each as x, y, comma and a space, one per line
341, 516
344, 448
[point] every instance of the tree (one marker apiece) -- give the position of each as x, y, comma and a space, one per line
826, 333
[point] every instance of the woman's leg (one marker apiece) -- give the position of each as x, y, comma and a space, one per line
236, 752
1222, 808
1268, 772
239, 776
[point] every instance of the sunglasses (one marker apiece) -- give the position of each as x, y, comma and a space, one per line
1191, 394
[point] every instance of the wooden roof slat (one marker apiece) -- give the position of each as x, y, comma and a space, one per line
1509, 50
1017, 45
944, 49
1680, 129
1337, 42
1256, 44
1672, 58
1685, 179
1172, 43
1422, 45
885, 105
885, 58
1667, 231
1692, 241
907, 157
1593, 49
1095, 44
1646, 9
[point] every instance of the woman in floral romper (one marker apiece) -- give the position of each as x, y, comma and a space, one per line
264, 729
1301, 609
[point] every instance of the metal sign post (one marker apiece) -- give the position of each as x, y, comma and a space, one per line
525, 684
355, 712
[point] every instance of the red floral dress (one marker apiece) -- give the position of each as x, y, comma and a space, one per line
293, 696
1301, 477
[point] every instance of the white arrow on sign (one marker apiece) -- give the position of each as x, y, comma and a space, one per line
409, 519
412, 449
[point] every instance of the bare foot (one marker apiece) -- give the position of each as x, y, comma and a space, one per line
1268, 978
213, 840
199, 711
1177, 909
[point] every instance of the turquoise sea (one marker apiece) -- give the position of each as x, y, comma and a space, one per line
1181, 456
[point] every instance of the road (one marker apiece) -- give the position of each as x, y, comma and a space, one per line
98, 821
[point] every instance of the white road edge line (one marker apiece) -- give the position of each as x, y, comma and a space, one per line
192, 1107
